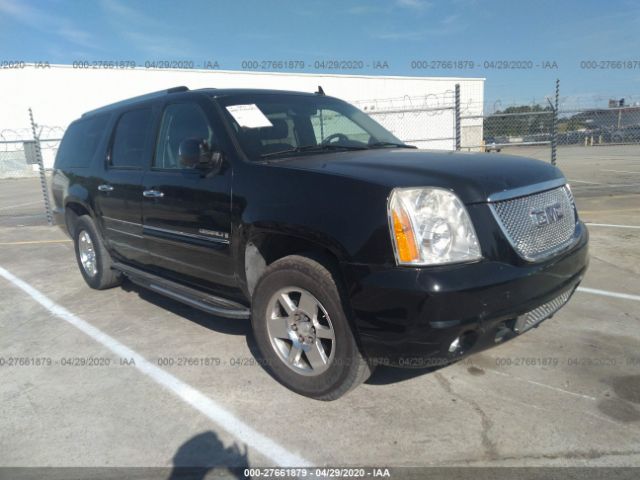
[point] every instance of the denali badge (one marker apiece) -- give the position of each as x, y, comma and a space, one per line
547, 215
213, 233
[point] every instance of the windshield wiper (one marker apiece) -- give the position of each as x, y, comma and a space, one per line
390, 144
312, 148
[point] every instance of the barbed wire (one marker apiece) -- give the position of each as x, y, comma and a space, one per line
409, 117
430, 104
11, 138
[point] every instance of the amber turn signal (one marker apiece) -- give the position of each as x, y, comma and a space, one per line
405, 240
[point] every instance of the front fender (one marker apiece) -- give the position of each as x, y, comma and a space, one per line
346, 216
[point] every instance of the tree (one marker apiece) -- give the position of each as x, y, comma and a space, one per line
518, 121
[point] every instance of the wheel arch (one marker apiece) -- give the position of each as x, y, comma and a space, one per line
73, 209
263, 247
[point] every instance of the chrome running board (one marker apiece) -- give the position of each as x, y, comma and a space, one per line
189, 296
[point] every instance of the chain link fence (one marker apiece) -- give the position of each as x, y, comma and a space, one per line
18, 157
431, 121
13, 161
562, 121
459, 120
450, 120
426, 122
534, 126
28, 153
518, 126
615, 125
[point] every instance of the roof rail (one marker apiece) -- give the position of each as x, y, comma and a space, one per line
140, 98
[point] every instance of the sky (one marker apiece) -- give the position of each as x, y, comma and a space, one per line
544, 39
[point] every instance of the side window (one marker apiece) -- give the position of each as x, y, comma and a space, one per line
81, 141
180, 121
132, 133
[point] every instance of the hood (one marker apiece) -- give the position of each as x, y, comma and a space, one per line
472, 176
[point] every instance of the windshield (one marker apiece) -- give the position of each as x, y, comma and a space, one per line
279, 125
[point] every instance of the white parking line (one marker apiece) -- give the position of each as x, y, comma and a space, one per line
196, 399
538, 384
583, 181
607, 293
618, 171
20, 205
611, 225
609, 185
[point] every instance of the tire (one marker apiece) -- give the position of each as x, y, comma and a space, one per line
277, 322
88, 244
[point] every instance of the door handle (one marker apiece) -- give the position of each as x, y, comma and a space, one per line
105, 188
153, 194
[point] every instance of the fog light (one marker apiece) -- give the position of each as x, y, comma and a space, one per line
463, 343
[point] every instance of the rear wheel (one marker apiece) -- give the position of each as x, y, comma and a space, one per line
302, 330
93, 259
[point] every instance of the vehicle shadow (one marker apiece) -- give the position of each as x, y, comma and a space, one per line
230, 326
205, 454
386, 375
383, 375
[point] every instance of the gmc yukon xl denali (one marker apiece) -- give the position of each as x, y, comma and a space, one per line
344, 246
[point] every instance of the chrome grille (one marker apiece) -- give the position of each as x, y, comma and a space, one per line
537, 315
538, 225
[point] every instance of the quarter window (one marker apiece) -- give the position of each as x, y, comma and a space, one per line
131, 138
81, 141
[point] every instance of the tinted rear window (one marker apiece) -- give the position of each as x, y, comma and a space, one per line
81, 141
131, 137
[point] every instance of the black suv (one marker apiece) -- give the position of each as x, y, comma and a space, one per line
346, 247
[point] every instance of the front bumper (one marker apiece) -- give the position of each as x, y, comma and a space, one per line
410, 316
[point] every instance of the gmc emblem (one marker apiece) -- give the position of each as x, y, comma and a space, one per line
547, 215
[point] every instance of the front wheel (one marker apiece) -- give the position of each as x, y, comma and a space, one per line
302, 330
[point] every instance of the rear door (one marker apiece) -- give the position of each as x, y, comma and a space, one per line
186, 211
119, 191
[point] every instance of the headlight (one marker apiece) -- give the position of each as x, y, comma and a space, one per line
430, 226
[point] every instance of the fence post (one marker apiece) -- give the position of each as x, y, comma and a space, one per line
457, 117
554, 123
43, 177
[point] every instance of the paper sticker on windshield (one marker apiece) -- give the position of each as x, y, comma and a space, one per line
249, 116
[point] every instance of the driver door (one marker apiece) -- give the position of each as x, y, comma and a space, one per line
187, 212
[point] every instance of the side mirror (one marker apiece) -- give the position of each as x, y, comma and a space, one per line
196, 153
193, 152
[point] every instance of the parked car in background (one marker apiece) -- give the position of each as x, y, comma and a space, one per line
490, 145
630, 134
